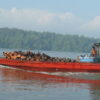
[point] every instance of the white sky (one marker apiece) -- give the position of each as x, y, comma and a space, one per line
61, 16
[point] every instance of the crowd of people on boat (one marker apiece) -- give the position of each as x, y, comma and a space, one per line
28, 55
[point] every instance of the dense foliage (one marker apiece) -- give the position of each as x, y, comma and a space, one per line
20, 39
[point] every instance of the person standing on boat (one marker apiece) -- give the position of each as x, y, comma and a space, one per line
93, 52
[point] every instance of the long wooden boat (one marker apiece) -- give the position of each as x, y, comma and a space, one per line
74, 66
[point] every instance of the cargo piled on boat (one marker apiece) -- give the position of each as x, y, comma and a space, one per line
41, 61
19, 55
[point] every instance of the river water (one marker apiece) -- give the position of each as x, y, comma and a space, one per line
18, 84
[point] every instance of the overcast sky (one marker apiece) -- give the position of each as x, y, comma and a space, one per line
61, 16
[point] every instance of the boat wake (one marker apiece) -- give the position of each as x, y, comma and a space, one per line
77, 75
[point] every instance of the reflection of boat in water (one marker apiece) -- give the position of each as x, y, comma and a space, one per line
19, 82
17, 76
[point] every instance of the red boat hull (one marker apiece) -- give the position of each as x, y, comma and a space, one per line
51, 65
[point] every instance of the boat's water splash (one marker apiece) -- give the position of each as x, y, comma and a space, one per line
78, 75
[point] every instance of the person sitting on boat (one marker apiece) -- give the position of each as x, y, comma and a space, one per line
93, 52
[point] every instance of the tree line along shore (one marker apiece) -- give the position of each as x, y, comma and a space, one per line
21, 39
